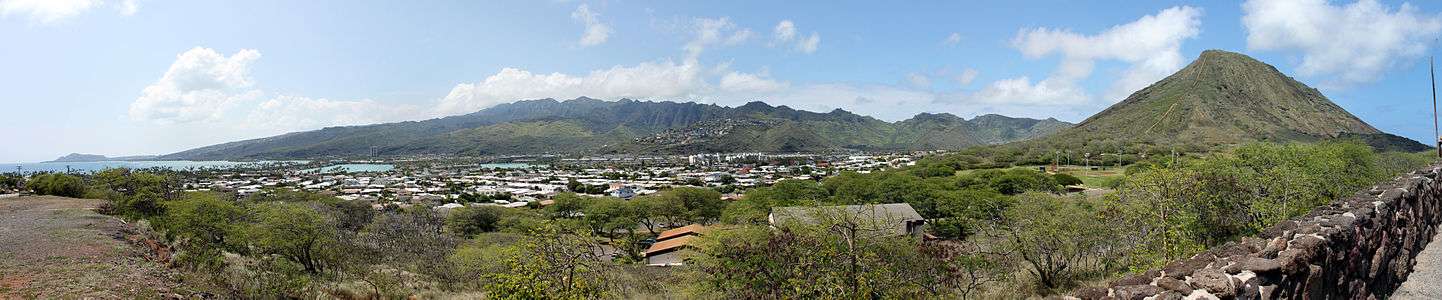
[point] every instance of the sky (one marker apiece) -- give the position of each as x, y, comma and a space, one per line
133, 77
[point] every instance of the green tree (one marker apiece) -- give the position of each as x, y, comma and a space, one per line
1054, 249
469, 221
204, 225
135, 194
566, 205
296, 232
553, 262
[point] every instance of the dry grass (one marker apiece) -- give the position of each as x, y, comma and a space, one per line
58, 247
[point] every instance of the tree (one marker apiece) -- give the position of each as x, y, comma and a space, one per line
1053, 248
752, 208
396, 249
837, 257
553, 262
296, 232
567, 205
469, 221
962, 213
205, 225
701, 205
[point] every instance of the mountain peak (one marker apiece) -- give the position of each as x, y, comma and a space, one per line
755, 105
1221, 98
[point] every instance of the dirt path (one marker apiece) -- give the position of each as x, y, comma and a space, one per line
1425, 282
54, 247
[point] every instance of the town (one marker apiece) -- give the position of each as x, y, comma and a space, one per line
452, 183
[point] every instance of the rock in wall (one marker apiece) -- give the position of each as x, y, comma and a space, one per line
1360, 247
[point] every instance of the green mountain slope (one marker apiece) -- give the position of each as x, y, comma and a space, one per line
585, 125
1223, 98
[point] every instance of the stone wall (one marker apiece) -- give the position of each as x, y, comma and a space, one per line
1361, 247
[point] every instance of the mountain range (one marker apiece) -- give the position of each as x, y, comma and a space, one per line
1222, 98
80, 157
584, 125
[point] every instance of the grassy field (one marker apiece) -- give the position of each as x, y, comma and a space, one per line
1101, 178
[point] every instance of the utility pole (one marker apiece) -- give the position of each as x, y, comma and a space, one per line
1432, 72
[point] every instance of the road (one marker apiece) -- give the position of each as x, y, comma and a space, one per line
1425, 282
56, 247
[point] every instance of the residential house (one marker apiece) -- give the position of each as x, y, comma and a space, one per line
666, 251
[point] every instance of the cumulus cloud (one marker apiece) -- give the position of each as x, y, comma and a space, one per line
784, 31
52, 11
645, 80
1349, 43
596, 31
1151, 45
710, 32
1021, 91
786, 35
215, 93
664, 79
750, 83
199, 85
287, 113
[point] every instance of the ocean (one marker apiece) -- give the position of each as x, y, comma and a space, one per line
102, 165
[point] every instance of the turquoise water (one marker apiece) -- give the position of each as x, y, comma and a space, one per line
353, 168
506, 166
102, 165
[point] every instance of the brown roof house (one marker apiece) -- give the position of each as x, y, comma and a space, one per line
885, 219
666, 251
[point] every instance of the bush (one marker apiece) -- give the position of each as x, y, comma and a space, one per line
55, 184
1066, 179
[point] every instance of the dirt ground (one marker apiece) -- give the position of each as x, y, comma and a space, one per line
55, 247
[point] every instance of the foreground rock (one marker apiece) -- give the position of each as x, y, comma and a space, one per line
54, 247
1362, 247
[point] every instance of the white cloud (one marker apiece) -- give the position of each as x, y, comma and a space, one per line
709, 32
1343, 43
967, 76
642, 81
129, 7
290, 113
750, 83
1021, 91
52, 11
46, 11
199, 85
596, 31
918, 80
953, 39
809, 44
785, 33
1151, 45
207, 93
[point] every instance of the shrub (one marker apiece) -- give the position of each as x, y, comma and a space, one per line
55, 184
1066, 179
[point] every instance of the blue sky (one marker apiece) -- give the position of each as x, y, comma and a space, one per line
128, 77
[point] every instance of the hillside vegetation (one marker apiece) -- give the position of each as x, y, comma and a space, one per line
586, 125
